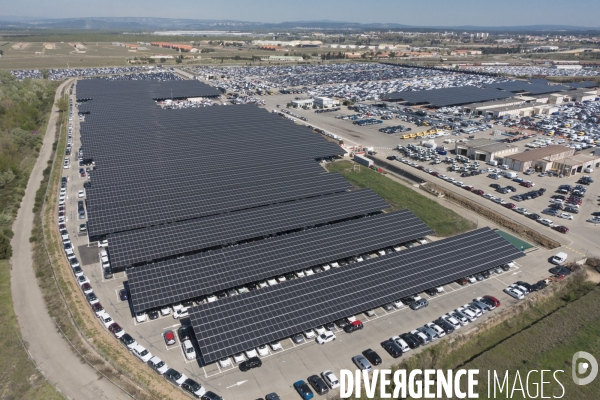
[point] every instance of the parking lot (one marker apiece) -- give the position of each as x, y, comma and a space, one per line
280, 369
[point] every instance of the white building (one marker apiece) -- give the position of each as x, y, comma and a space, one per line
302, 103
325, 102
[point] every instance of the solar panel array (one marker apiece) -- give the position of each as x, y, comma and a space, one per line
156, 166
447, 97
534, 87
152, 244
171, 281
243, 322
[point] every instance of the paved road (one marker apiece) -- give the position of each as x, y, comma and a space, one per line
47, 347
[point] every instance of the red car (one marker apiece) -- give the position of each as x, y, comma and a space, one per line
116, 330
420, 167
479, 192
435, 173
169, 337
561, 229
468, 187
493, 300
462, 281
510, 206
354, 326
526, 184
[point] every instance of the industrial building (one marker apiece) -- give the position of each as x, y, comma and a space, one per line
576, 164
540, 159
484, 149
302, 103
325, 102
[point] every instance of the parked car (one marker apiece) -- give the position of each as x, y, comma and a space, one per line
326, 337
303, 390
330, 379
362, 363
250, 363
169, 338
175, 376
193, 387
318, 384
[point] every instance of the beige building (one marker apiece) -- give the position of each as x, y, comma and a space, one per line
541, 159
576, 164
484, 149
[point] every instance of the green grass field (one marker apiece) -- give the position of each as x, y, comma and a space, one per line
443, 221
19, 378
515, 241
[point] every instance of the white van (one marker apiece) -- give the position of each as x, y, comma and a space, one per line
509, 174
559, 258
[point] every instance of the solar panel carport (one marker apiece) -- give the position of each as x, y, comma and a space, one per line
231, 325
538, 86
448, 97
171, 281
155, 243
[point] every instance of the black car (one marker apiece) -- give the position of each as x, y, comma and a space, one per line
352, 328
329, 326
557, 196
107, 273
172, 375
596, 214
341, 323
444, 325
272, 396
187, 304
495, 186
559, 270
126, 339
488, 302
392, 348
191, 386
298, 338
410, 340
211, 396
511, 188
250, 363
123, 294
540, 285
153, 314
486, 274
318, 384
534, 217
431, 292
183, 333
388, 306
372, 356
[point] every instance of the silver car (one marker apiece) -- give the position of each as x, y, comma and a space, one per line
362, 363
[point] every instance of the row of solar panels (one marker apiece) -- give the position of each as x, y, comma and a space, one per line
174, 280
246, 321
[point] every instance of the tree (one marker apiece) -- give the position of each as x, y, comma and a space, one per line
151, 60
178, 60
162, 60
5, 248
45, 73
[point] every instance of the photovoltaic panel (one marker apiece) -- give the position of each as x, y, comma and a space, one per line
171, 281
231, 325
447, 97
152, 244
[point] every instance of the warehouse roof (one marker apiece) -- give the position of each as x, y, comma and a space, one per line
488, 145
446, 97
539, 153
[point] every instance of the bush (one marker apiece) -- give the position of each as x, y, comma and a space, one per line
5, 248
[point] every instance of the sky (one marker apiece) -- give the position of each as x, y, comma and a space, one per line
410, 12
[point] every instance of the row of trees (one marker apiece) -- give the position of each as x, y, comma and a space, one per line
24, 107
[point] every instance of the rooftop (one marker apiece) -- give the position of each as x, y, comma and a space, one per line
537, 154
488, 145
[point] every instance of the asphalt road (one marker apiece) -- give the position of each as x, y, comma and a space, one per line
50, 351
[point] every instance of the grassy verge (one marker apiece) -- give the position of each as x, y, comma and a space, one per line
19, 378
542, 332
443, 221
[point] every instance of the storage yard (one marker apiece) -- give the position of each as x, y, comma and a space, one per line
222, 225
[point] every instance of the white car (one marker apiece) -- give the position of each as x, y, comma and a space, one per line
106, 320
141, 317
238, 358
424, 338
499, 200
452, 321
211, 298
565, 216
327, 267
488, 196
439, 331
99, 312
300, 274
320, 329
478, 313
397, 248
81, 193
165, 310
520, 210
263, 351
82, 279
158, 365
400, 342
461, 318
188, 349
545, 221
471, 316
458, 183
594, 220
225, 362
325, 337
251, 353
103, 243
276, 346
398, 303
181, 313
471, 279
272, 282
520, 288
422, 241
262, 284
330, 379
514, 293
309, 334
140, 352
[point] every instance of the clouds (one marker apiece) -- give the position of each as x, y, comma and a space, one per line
409, 12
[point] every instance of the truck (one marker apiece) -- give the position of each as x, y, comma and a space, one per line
493, 162
363, 160
509, 174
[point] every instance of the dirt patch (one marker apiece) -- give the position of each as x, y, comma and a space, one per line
20, 46
50, 46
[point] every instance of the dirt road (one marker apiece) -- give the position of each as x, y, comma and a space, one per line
50, 351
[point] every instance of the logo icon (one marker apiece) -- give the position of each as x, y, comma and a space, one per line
582, 367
